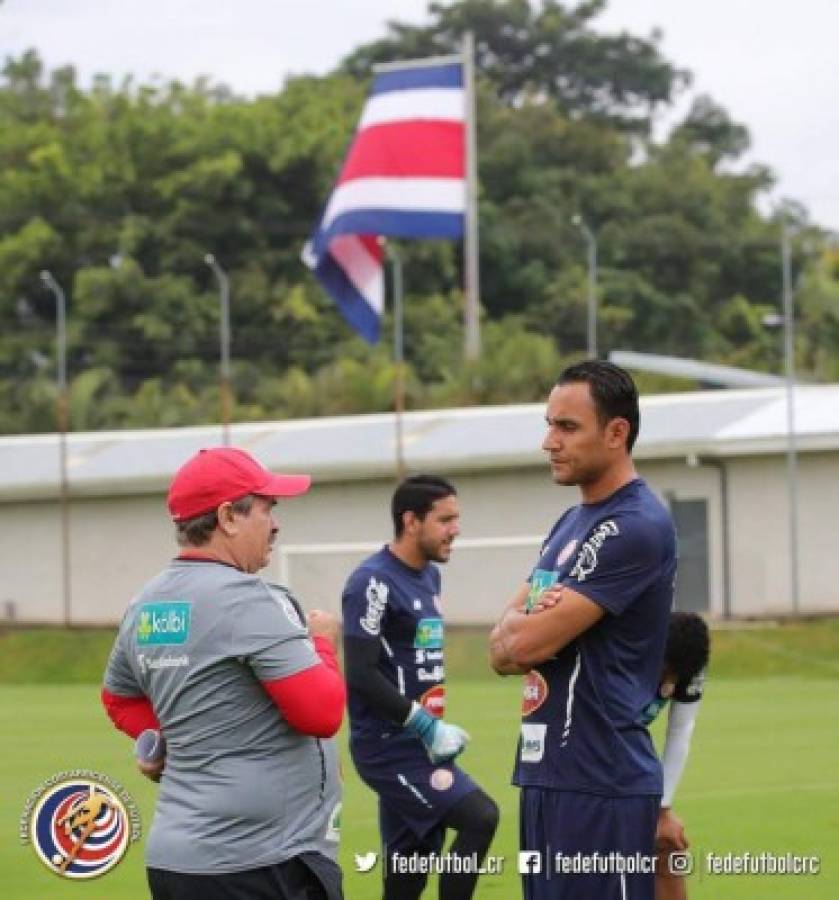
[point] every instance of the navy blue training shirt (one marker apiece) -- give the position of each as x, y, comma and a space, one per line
387, 601
582, 709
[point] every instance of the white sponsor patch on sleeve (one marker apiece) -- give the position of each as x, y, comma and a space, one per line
376, 596
587, 558
533, 741
287, 607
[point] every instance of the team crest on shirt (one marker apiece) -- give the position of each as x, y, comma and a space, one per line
376, 596
587, 559
534, 693
441, 779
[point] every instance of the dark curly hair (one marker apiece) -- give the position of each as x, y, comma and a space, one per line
688, 645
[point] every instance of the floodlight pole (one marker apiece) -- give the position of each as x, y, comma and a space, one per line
591, 305
398, 289
792, 443
472, 318
225, 391
62, 421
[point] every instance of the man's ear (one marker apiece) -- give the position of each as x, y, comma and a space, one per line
409, 521
617, 433
226, 518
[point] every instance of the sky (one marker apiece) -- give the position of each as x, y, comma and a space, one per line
772, 64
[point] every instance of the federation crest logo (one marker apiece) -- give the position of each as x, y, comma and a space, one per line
434, 700
80, 824
534, 692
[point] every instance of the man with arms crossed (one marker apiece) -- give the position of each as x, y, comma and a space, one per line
590, 778
223, 665
393, 653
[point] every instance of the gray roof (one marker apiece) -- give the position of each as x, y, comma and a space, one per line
713, 423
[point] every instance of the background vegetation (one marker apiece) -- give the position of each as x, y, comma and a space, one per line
121, 189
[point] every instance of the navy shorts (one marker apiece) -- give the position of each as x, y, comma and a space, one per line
414, 794
611, 832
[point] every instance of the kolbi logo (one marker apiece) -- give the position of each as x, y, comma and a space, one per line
429, 634
163, 623
80, 825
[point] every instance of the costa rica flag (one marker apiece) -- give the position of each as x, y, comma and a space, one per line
404, 176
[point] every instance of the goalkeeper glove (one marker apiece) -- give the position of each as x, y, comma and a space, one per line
443, 742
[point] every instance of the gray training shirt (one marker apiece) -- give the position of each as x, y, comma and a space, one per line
241, 788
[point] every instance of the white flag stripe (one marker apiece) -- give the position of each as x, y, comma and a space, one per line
441, 195
361, 268
425, 103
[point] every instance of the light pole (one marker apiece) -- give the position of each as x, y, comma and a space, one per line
591, 253
398, 355
787, 321
62, 419
225, 392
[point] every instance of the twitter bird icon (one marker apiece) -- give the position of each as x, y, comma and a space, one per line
366, 862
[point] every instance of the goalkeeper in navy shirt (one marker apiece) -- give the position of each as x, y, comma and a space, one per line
400, 743
590, 779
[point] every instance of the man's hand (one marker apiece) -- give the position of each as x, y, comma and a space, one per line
152, 770
499, 657
548, 599
150, 750
443, 742
520, 641
669, 832
323, 624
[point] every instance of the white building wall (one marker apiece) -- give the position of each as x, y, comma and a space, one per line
119, 542
760, 538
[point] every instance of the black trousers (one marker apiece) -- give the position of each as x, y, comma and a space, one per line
309, 876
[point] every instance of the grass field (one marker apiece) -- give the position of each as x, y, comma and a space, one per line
762, 775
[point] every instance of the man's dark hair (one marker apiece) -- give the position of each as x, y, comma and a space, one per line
688, 645
612, 390
196, 532
417, 494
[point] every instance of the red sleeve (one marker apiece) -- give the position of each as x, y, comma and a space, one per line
312, 701
133, 715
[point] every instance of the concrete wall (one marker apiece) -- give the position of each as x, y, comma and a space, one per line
760, 538
119, 542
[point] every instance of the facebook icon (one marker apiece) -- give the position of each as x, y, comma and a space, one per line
530, 862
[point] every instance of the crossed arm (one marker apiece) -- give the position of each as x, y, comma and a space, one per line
520, 641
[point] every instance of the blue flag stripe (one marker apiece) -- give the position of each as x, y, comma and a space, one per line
446, 76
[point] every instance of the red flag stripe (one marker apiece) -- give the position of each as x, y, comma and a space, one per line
418, 149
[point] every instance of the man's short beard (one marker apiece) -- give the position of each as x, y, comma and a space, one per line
432, 552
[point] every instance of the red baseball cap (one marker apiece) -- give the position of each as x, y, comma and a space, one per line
223, 474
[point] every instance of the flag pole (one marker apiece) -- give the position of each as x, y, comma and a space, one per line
470, 242
398, 356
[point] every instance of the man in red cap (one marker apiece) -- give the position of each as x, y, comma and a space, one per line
244, 692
